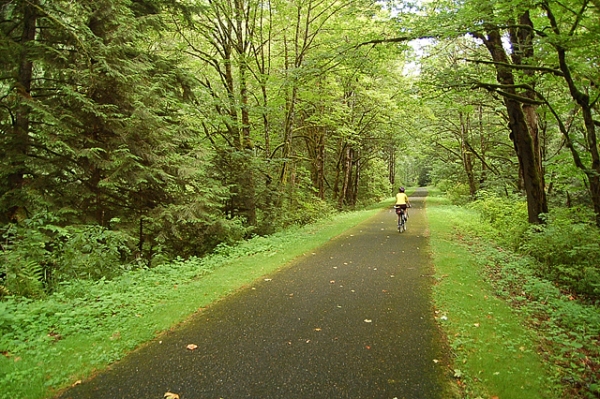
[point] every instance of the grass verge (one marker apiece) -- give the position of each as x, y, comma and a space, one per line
51, 343
495, 356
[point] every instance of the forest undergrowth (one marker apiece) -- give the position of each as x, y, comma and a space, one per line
547, 276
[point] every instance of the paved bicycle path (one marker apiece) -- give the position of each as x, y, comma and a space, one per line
352, 320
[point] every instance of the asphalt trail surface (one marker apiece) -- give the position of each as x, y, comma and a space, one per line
352, 320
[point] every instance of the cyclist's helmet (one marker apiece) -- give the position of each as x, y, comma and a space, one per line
401, 189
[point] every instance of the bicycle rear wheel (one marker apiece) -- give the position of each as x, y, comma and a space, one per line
401, 224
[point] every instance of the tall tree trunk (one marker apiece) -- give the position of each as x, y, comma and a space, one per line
320, 161
262, 56
392, 167
356, 182
523, 142
467, 156
522, 42
482, 147
347, 169
291, 95
521, 136
20, 141
338, 169
315, 147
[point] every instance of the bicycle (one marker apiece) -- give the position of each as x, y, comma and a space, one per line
401, 218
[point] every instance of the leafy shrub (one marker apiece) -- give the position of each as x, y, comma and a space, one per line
567, 245
182, 231
37, 254
508, 216
458, 193
24, 256
306, 211
568, 249
297, 206
21, 278
90, 252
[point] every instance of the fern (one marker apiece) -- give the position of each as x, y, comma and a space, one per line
24, 279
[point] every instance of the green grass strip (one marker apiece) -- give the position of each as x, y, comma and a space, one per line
495, 356
87, 326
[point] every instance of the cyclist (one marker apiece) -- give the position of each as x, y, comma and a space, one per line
402, 202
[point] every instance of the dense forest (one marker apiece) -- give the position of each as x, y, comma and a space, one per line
137, 131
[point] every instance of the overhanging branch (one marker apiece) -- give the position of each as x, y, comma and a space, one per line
521, 67
394, 40
501, 89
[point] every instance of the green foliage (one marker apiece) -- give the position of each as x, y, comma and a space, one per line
424, 176
90, 252
38, 254
567, 246
377, 186
458, 193
299, 205
138, 111
21, 277
507, 217
568, 249
176, 235
568, 328
24, 258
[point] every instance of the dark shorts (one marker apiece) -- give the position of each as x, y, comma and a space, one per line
399, 207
